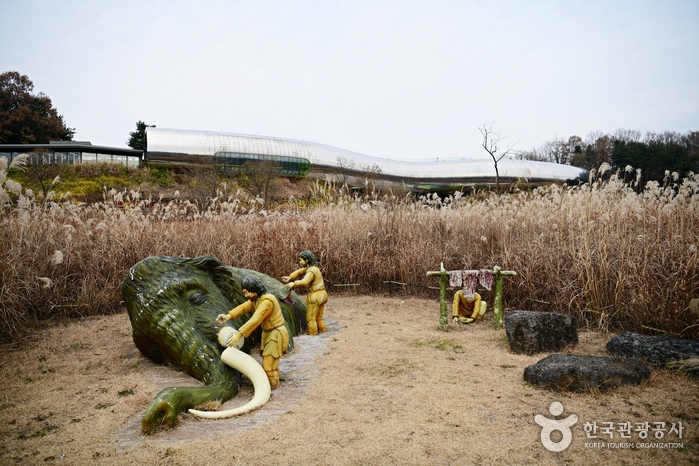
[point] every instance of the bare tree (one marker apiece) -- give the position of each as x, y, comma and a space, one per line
601, 147
557, 151
346, 166
259, 178
534, 155
371, 173
627, 135
206, 180
575, 146
372, 170
491, 140
44, 172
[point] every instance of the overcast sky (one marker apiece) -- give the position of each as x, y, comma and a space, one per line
398, 79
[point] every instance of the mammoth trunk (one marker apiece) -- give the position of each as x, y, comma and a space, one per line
165, 407
199, 357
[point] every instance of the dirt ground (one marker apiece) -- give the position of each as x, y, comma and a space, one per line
383, 386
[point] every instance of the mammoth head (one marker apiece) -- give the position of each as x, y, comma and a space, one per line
169, 298
173, 304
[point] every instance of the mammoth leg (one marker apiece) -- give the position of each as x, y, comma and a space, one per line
247, 365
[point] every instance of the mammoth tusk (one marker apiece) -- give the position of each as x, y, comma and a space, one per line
248, 366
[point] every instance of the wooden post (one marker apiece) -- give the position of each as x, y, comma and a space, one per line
443, 320
497, 294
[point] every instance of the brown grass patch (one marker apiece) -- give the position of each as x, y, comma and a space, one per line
391, 389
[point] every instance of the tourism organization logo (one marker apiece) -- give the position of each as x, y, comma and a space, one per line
607, 434
549, 426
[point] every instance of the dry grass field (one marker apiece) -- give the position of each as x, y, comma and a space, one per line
383, 386
615, 258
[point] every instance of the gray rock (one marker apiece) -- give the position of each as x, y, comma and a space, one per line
580, 373
659, 350
532, 332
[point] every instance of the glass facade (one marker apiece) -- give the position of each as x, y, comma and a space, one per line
71, 156
291, 166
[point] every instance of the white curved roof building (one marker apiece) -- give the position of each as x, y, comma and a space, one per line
187, 146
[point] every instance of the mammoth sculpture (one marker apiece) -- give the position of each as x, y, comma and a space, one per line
173, 303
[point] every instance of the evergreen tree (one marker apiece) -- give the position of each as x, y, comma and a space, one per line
137, 139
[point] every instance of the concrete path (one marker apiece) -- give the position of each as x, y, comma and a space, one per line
298, 371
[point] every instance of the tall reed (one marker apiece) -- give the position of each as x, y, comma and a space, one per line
616, 259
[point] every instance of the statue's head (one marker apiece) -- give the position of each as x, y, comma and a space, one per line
253, 285
470, 297
308, 257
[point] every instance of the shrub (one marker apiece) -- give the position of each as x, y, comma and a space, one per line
78, 189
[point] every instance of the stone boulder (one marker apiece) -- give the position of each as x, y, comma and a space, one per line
532, 332
572, 372
660, 350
